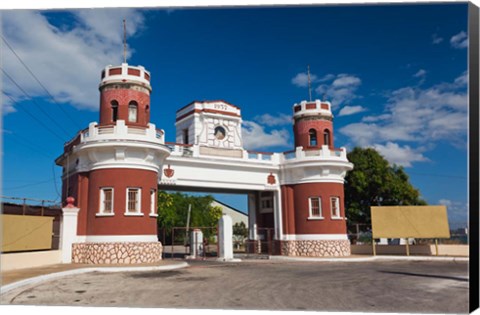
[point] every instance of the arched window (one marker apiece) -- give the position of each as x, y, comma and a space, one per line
114, 104
312, 134
326, 137
132, 111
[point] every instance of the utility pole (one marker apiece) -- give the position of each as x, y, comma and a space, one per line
188, 223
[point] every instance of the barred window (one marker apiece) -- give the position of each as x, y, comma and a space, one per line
133, 200
106, 200
335, 205
315, 204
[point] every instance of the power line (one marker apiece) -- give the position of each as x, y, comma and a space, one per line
437, 175
29, 185
37, 120
24, 199
40, 83
59, 196
31, 98
31, 145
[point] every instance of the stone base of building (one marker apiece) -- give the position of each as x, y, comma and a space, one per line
117, 253
316, 248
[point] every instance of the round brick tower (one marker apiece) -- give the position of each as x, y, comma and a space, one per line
314, 221
111, 169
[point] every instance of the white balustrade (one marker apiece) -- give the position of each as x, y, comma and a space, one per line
120, 131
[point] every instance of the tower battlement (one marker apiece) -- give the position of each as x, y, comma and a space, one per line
312, 108
125, 74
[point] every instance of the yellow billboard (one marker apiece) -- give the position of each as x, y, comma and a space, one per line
410, 222
25, 232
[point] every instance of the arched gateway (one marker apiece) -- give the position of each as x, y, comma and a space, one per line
115, 167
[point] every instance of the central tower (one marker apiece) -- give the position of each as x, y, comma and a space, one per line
125, 95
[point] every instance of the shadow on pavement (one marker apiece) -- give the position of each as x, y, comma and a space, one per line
425, 275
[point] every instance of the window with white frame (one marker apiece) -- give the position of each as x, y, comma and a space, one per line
153, 203
106, 201
335, 206
266, 202
315, 208
132, 111
133, 200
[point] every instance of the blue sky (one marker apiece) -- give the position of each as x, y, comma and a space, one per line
396, 77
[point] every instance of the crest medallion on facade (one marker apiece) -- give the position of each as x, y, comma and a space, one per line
271, 179
169, 172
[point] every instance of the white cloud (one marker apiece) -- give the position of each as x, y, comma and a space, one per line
350, 110
462, 80
277, 120
301, 79
418, 115
327, 77
457, 212
345, 80
338, 89
436, 39
402, 156
7, 105
341, 90
66, 58
420, 73
459, 40
376, 118
445, 202
255, 136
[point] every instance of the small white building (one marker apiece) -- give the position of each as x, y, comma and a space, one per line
236, 215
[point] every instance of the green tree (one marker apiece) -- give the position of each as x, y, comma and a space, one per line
240, 233
173, 211
240, 230
373, 182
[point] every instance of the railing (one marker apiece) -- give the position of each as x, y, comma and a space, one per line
105, 130
288, 155
324, 152
255, 155
136, 131
121, 131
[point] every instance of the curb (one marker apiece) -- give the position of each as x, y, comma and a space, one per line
372, 258
56, 275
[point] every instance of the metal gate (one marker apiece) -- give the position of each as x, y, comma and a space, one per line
265, 244
176, 241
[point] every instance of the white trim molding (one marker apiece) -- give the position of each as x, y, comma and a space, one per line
117, 238
101, 210
311, 216
137, 200
335, 211
314, 237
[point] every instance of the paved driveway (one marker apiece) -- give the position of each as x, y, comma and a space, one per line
377, 286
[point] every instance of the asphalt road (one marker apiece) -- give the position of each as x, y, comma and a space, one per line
377, 286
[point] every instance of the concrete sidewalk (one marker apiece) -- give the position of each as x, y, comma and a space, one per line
15, 278
365, 258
